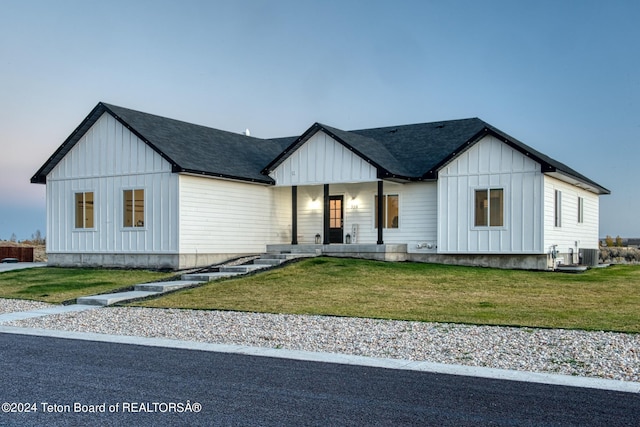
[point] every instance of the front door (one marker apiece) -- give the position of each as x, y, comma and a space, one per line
336, 219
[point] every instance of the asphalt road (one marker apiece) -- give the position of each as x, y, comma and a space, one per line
64, 380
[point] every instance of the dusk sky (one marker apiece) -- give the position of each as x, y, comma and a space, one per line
562, 76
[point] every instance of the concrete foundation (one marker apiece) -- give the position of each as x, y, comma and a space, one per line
151, 261
390, 252
511, 262
387, 252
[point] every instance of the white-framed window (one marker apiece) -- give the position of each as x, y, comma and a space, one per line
390, 211
557, 209
84, 209
580, 210
488, 207
133, 203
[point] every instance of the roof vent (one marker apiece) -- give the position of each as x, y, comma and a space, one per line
393, 131
247, 132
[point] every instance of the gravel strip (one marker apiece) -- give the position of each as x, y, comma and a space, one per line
590, 354
15, 305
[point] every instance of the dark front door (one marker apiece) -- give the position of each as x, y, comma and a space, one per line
336, 219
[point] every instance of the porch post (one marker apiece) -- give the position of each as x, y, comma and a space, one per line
325, 216
294, 215
380, 212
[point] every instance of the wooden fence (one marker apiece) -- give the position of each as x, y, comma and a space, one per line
24, 254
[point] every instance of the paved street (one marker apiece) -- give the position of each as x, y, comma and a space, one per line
140, 385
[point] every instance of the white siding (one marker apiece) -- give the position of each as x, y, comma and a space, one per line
490, 164
322, 160
417, 211
227, 217
570, 231
107, 160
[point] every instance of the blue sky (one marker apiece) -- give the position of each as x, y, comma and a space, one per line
562, 76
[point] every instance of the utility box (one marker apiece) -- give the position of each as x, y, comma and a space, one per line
590, 257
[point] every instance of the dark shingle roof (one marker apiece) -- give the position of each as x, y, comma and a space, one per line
407, 152
188, 147
421, 148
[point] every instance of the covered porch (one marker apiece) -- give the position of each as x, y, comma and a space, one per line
343, 214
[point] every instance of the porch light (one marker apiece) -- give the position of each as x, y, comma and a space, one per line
315, 203
353, 204
348, 239
318, 239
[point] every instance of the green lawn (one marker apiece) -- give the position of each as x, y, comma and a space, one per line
57, 285
600, 299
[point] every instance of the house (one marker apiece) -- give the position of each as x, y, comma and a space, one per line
132, 189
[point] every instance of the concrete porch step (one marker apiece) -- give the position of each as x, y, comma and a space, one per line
269, 261
286, 256
140, 291
207, 277
166, 286
109, 299
242, 268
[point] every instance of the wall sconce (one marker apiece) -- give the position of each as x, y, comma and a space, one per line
318, 239
353, 204
315, 203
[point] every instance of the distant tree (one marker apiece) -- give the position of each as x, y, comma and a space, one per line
36, 238
619, 241
13, 238
609, 241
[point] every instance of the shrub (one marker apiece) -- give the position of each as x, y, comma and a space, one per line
620, 255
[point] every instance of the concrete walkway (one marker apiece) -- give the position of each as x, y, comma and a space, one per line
10, 266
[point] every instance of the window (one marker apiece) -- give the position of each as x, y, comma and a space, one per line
489, 208
390, 211
580, 210
84, 210
134, 208
557, 211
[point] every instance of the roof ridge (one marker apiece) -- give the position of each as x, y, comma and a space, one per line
416, 124
157, 116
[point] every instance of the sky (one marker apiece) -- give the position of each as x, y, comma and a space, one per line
562, 76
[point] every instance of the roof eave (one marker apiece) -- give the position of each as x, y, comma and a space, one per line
40, 176
545, 167
575, 181
266, 181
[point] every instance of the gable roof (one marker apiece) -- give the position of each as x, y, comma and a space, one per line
187, 147
418, 151
403, 153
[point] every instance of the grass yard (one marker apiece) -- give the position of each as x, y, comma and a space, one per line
600, 299
56, 285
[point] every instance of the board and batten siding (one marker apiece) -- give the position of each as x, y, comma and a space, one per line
107, 160
323, 160
571, 233
228, 217
491, 163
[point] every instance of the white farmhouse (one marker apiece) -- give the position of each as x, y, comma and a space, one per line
132, 189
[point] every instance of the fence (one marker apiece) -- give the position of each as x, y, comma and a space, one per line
23, 254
